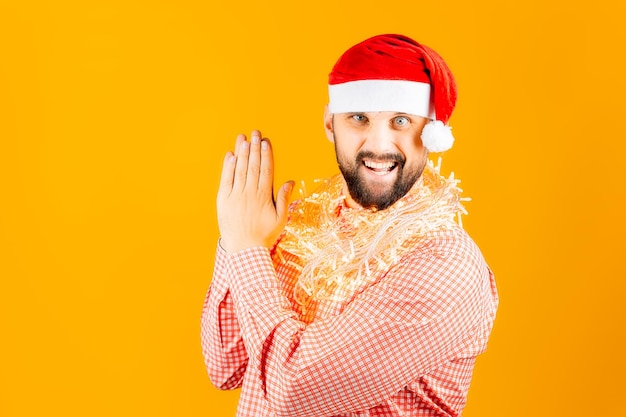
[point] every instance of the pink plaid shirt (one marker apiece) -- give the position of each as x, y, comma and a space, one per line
404, 346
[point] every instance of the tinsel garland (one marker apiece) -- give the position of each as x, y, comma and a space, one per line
340, 254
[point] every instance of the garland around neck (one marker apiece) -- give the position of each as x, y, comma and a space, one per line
340, 250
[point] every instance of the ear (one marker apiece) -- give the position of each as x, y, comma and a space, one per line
328, 124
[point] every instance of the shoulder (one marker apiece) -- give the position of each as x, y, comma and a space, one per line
445, 275
443, 258
450, 243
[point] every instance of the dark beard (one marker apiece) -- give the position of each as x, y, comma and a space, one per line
363, 195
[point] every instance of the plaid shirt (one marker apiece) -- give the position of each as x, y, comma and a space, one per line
404, 346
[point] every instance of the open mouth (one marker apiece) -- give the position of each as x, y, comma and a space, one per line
380, 168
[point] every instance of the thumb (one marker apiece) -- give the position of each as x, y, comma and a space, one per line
282, 200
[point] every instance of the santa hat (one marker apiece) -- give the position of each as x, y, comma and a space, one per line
395, 73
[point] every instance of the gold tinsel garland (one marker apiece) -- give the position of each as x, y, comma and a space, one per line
339, 254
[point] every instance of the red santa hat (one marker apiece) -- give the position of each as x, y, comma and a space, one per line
395, 73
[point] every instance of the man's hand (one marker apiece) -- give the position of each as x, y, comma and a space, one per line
247, 213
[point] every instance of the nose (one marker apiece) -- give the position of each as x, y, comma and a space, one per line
379, 136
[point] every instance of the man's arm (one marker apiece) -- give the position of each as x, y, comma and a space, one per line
429, 309
224, 353
245, 208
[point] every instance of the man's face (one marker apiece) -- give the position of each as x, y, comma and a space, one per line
380, 154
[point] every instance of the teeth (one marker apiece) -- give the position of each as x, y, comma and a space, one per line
379, 165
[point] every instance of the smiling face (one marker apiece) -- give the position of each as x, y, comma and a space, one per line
380, 155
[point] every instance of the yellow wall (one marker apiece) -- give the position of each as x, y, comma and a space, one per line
114, 118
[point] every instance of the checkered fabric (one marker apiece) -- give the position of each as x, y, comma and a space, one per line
403, 346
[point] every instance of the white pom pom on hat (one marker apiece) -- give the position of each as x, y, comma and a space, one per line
395, 73
437, 137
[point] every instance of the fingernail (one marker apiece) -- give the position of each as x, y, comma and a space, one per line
264, 145
255, 139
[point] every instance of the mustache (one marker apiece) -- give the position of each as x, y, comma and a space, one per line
383, 157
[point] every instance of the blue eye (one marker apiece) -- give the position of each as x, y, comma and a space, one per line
401, 121
359, 117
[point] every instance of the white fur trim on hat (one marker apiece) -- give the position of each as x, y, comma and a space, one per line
437, 137
409, 97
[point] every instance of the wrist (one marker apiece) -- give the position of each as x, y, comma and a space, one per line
236, 246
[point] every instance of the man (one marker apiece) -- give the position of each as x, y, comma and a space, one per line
365, 298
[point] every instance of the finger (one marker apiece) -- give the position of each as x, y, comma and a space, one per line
266, 178
254, 161
282, 201
241, 166
240, 138
226, 180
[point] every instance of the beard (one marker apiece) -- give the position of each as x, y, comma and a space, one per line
378, 196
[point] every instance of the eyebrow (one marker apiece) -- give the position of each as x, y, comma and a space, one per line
398, 113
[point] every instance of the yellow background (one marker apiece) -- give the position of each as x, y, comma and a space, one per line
114, 119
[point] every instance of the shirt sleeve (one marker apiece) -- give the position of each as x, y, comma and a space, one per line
432, 307
222, 345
